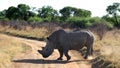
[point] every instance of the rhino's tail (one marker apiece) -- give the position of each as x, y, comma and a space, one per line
91, 33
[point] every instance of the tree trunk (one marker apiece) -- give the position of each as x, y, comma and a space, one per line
116, 20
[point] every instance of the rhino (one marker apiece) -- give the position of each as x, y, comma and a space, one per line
65, 41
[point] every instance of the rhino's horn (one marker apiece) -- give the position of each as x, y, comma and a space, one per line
40, 51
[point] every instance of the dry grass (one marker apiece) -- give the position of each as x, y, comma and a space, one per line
9, 47
28, 32
108, 48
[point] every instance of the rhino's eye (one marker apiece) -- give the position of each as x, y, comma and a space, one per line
47, 49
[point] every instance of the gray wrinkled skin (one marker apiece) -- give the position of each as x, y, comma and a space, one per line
65, 41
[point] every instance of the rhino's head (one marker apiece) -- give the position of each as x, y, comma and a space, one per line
48, 49
52, 41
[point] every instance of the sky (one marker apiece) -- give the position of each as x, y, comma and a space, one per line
97, 7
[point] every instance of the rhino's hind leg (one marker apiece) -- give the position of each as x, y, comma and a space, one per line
89, 52
61, 54
86, 56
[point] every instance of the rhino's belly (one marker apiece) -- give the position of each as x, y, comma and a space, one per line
77, 46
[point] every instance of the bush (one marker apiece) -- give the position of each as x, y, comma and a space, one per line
96, 19
3, 18
100, 29
35, 19
79, 22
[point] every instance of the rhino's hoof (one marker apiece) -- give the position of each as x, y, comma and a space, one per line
68, 58
59, 59
85, 57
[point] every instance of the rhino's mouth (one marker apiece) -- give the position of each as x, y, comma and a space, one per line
40, 51
44, 54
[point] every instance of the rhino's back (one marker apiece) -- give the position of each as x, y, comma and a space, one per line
76, 40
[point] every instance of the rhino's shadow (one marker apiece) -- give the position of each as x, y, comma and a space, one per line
41, 61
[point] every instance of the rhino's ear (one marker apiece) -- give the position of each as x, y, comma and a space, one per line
48, 38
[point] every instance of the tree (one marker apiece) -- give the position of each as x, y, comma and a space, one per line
82, 13
68, 12
108, 19
12, 13
48, 13
23, 7
2, 13
24, 11
114, 10
21, 12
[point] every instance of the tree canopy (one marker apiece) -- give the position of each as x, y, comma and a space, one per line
20, 12
68, 14
114, 10
47, 13
68, 11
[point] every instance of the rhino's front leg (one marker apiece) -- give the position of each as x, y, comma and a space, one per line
66, 54
61, 54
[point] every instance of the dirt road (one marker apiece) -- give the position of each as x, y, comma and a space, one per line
32, 59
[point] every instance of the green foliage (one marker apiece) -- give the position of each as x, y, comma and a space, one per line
4, 18
35, 19
21, 12
67, 12
24, 11
82, 13
114, 10
47, 13
23, 7
79, 22
96, 20
87, 22
2, 13
109, 19
12, 13
75, 16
